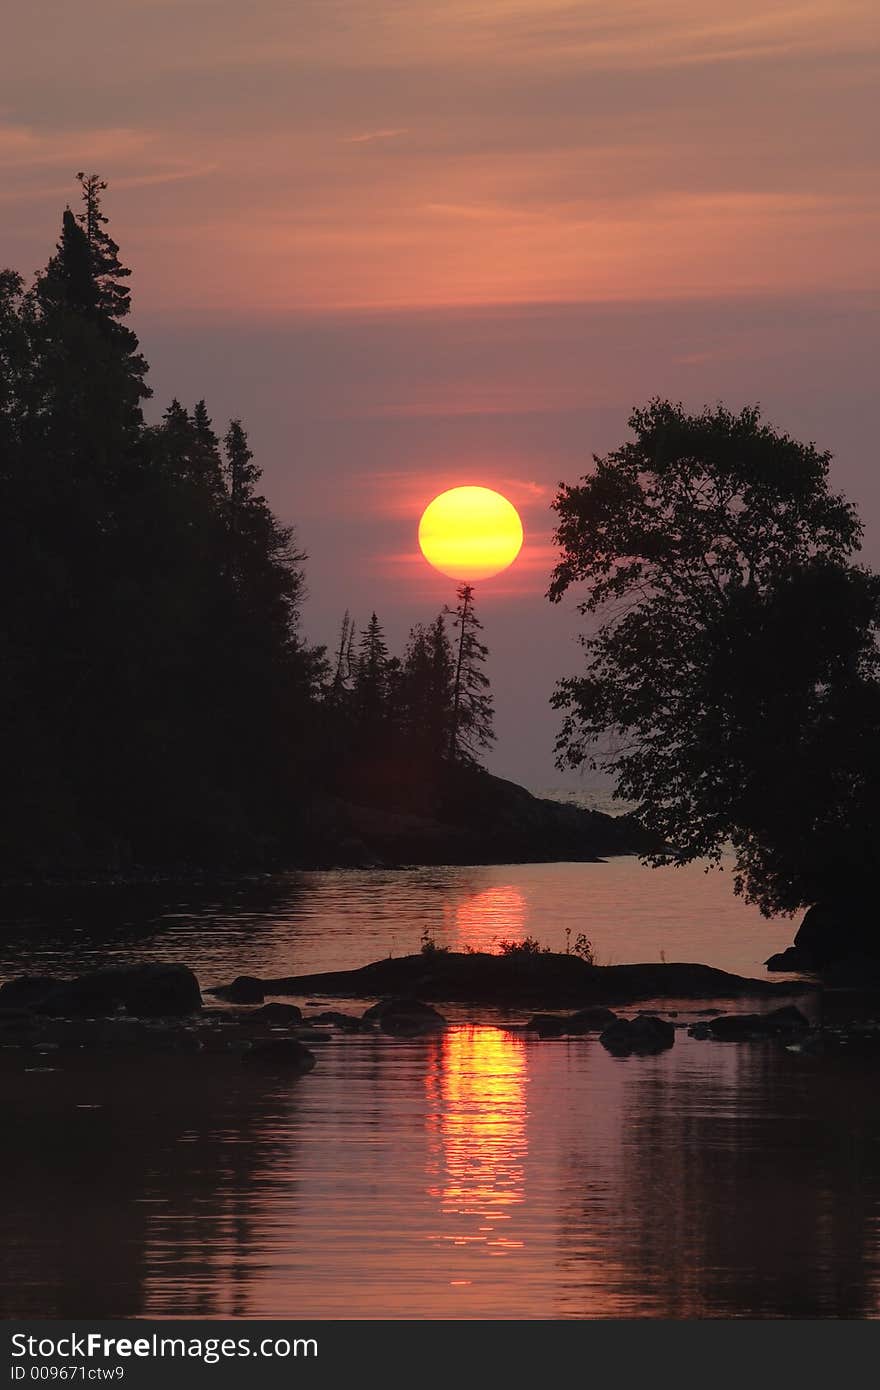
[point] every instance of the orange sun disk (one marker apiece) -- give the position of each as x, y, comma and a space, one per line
470, 533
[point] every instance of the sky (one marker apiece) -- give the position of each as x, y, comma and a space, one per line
423, 243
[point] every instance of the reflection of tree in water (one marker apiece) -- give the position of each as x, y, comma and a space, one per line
113, 1211
751, 1188
477, 1131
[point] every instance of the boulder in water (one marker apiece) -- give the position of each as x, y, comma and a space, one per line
244, 989
405, 1018
546, 1025
740, 1027
145, 991
646, 1034
589, 1020
347, 1023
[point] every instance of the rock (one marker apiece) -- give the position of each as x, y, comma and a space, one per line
792, 958
547, 1025
348, 1023
738, 1027
645, 1034
245, 989
591, 1020
406, 1018
283, 1053
826, 933
831, 931
279, 1015
155, 991
146, 991
315, 1035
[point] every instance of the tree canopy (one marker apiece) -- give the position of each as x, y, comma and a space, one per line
154, 675
731, 684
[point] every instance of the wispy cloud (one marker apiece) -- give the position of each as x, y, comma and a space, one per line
366, 156
369, 136
28, 155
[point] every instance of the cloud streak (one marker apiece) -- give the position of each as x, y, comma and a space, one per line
352, 155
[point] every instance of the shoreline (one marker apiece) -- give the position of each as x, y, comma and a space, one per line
158, 1008
479, 820
194, 877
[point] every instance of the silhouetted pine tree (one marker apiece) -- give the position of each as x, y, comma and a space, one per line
157, 694
472, 707
112, 296
343, 667
427, 690
371, 706
80, 502
207, 462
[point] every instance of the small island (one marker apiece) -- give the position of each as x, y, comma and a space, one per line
524, 977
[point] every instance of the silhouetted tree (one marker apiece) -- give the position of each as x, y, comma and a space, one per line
112, 296
731, 685
371, 681
207, 464
157, 694
427, 690
344, 660
472, 713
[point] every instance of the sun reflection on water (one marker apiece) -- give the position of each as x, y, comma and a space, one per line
476, 1088
496, 914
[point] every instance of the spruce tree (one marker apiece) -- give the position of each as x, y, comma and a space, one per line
207, 463
112, 297
471, 724
242, 474
371, 680
427, 687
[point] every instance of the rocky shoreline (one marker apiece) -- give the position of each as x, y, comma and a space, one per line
155, 1009
160, 1007
147, 1011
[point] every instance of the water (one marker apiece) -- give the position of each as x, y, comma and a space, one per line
478, 1173
329, 921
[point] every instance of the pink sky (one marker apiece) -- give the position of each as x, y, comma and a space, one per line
419, 244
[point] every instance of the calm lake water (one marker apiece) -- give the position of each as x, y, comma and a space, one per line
479, 1173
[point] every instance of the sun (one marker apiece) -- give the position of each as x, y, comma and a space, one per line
470, 533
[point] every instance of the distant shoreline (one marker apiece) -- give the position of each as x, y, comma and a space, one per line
484, 820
